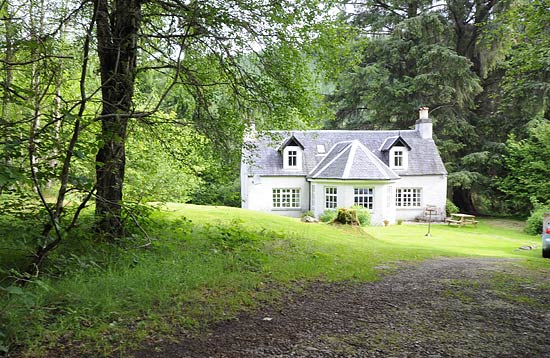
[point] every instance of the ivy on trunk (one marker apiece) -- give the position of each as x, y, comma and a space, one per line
117, 34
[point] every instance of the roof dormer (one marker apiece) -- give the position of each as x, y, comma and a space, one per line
398, 152
293, 152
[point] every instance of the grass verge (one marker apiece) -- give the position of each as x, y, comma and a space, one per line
206, 264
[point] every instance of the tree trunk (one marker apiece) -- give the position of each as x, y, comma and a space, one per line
7, 84
117, 32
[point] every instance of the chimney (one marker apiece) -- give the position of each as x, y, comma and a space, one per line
250, 133
424, 125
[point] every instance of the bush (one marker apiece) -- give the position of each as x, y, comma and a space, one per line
347, 216
307, 213
328, 215
363, 215
533, 225
451, 208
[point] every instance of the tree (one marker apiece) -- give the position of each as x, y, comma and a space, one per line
204, 69
444, 55
526, 162
173, 34
117, 27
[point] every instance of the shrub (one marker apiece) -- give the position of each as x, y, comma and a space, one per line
347, 216
533, 225
399, 221
307, 213
451, 208
328, 215
363, 215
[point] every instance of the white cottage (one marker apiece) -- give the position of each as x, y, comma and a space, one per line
395, 174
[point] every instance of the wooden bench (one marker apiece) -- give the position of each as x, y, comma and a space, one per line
462, 220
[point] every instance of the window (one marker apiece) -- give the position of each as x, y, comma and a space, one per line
398, 158
408, 197
331, 197
292, 158
363, 197
321, 149
286, 198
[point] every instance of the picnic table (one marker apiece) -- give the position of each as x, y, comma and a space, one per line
461, 219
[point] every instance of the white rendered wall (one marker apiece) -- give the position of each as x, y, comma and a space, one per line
244, 185
383, 209
260, 194
434, 192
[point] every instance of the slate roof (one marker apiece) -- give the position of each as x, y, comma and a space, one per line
368, 160
390, 142
352, 160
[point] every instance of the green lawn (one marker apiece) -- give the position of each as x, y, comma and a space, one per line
207, 263
371, 245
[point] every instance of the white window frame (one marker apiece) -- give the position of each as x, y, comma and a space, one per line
286, 198
408, 197
399, 152
364, 196
331, 197
292, 158
292, 152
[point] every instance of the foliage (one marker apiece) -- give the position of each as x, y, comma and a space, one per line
363, 215
446, 55
533, 225
415, 65
527, 170
159, 170
451, 208
307, 213
526, 83
347, 216
328, 215
141, 111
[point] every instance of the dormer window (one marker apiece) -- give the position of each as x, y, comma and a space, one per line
397, 151
292, 158
398, 157
293, 152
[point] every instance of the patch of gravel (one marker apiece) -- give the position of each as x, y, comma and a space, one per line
437, 308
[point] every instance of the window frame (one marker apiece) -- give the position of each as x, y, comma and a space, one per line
282, 196
292, 158
399, 153
360, 197
408, 198
331, 197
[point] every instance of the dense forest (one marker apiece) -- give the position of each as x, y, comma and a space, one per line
108, 105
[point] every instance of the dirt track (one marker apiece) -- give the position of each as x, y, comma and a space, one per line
439, 308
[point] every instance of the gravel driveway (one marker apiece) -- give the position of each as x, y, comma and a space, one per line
437, 308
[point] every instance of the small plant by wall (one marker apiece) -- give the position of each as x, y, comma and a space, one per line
363, 215
451, 208
328, 215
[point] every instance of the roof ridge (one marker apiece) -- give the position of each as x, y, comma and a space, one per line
351, 158
339, 130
